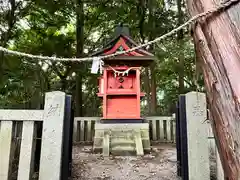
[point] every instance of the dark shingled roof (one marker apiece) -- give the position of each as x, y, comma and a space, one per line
123, 31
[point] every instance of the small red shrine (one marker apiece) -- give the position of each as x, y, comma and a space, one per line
120, 86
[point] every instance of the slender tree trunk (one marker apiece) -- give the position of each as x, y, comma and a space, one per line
180, 37
142, 14
63, 84
11, 20
151, 24
80, 43
153, 90
217, 42
147, 89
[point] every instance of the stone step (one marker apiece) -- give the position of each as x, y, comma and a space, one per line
123, 148
121, 134
123, 138
121, 141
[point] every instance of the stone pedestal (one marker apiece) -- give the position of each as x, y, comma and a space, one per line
131, 137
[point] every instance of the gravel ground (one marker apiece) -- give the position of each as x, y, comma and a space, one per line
160, 164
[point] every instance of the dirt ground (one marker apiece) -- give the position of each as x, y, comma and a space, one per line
160, 164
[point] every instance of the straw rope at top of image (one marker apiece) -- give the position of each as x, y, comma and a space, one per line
220, 7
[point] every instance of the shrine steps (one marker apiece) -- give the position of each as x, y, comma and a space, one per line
121, 139
121, 142
122, 145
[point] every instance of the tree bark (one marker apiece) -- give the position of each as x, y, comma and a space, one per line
217, 43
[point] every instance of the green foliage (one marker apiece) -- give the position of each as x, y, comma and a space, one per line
48, 28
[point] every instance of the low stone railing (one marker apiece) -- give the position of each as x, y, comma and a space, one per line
162, 129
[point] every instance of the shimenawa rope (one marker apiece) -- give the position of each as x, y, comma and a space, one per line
201, 15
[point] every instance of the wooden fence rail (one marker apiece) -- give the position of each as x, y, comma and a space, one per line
10, 130
162, 129
18, 128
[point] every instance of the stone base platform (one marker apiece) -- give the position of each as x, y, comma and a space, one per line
121, 138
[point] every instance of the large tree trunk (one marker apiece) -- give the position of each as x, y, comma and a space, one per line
217, 42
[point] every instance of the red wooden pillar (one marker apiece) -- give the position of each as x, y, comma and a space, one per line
138, 87
104, 93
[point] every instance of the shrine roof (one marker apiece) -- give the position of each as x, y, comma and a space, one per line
123, 41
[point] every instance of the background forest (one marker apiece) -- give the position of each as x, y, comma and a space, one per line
76, 28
